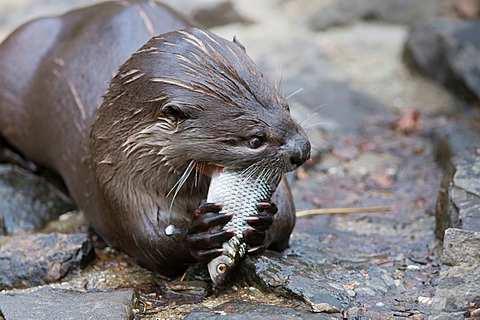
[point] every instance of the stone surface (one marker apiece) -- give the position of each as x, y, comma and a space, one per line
31, 260
457, 293
327, 14
28, 202
447, 51
461, 246
210, 13
247, 311
458, 202
58, 304
294, 278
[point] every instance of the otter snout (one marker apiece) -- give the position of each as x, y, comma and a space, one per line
297, 151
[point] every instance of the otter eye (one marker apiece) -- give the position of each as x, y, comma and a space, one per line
256, 142
222, 268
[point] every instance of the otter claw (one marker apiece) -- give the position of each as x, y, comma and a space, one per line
207, 255
205, 236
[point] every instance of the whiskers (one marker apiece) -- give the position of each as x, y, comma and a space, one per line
294, 93
181, 181
268, 170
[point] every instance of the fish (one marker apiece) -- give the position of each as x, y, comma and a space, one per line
239, 193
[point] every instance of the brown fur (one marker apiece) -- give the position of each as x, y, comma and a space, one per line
184, 100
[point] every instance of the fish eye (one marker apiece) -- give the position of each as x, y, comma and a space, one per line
222, 268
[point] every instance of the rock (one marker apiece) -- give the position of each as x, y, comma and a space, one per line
461, 246
329, 14
458, 291
210, 13
31, 260
458, 202
293, 278
27, 201
246, 311
9, 156
56, 304
447, 51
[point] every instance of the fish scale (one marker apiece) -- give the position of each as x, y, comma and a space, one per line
239, 194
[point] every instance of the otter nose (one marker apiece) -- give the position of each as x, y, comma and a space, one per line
299, 151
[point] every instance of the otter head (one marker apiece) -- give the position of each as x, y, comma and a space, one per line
192, 99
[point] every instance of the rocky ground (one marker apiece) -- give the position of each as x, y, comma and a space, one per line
388, 91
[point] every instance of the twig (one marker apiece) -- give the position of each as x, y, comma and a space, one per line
331, 211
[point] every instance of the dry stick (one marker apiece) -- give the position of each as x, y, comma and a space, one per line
331, 211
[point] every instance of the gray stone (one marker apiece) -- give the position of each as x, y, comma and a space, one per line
246, 311
447, 51
457, 293
27, 201
461, 246
31, 260
56, 304
294, 278
209, 13
343, 12
458, 202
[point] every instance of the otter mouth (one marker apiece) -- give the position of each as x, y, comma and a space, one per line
211, 169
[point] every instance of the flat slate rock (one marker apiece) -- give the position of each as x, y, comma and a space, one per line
296, 278
27, 201
447, 51
246, 311
32, 260
57, 304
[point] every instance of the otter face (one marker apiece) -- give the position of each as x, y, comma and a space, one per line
204, 100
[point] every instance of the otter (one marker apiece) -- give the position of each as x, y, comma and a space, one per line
134, 108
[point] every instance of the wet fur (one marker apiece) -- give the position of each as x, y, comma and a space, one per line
178, 102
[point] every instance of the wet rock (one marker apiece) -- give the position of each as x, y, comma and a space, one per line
27, 201
447, 51
9, 156
209, 13
31, 260
458, 202
342, 12
293, 278
461, 246
457, 293
246, 311
57, 304
70, 222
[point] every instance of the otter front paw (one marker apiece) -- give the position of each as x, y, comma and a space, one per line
205, 236
260, 223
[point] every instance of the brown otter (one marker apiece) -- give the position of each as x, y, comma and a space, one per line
137, 160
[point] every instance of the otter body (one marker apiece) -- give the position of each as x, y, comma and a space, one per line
123, 145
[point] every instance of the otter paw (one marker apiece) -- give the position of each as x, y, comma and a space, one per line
259, 224
205, 236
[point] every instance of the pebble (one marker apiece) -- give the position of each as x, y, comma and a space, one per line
425, 300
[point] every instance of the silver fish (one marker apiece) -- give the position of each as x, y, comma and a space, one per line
239, 193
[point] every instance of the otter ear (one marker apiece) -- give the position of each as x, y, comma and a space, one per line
174, 111
237, 42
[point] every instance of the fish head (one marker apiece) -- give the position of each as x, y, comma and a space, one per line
219, 269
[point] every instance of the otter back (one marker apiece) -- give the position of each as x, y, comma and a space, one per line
54, 74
